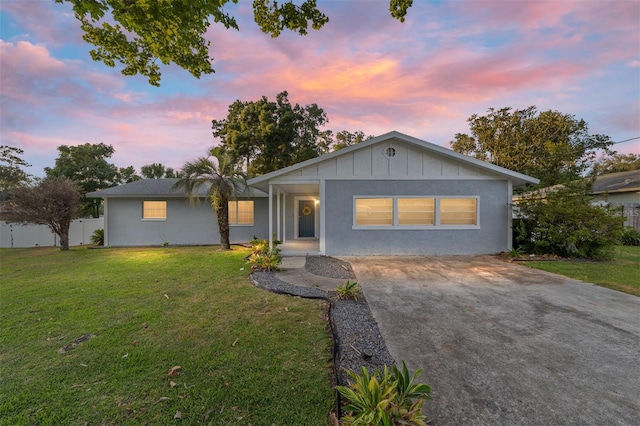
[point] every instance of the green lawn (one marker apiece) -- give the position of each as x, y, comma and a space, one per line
247, 356
622, 273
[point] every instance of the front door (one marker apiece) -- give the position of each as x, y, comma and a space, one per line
306, 219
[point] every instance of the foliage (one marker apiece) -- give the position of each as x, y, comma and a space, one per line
565, 223
97, 237
262, 258
346, 138
630, 237
616, 163
387, 398
220, 178
53, 202
11, 174
516, 253
265, 136
158, 171
141, 34
348, 290
152, 309
87, 166
551, 146
620, 273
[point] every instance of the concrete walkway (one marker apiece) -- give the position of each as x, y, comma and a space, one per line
502, 344
293, 272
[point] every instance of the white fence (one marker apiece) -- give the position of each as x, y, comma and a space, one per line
16, 235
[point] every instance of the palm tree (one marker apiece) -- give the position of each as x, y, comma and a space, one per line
221, 177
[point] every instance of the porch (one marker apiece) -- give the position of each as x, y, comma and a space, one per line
301, 247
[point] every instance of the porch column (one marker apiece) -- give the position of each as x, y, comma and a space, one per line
270, 217
284, 217
278, 237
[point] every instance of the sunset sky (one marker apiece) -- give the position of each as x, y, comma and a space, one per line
368, 71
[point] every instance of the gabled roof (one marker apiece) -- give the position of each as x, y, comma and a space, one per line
617, 182
159, 188
518, 179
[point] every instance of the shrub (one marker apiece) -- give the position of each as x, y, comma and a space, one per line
630, 237
348, 290
565, 223
97, 237
387, 398
262, 258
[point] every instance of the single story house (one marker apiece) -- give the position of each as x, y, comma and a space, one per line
392, 194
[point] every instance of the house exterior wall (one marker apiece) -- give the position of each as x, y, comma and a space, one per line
185, 224
491, 237
409, 161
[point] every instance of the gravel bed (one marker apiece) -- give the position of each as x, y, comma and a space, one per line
329, 267
357, 339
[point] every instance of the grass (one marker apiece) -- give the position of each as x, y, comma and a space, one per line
247, 356
622, 273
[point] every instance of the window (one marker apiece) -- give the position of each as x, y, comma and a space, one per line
374, 211
154, 210
416, 211
458, 211
240, 212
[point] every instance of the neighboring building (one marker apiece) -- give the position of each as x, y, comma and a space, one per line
393, 194
621, 190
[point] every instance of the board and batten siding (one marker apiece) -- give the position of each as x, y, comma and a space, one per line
410, 161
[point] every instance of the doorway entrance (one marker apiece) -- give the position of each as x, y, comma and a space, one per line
306, 219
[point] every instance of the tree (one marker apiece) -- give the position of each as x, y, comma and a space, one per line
551, 146
141, 34
218, 174
158, 171
11, 174
54, 202
563, 221
265, 136
87, 166
617, 163
346, 138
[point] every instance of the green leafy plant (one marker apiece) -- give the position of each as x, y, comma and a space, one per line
515, 253
630, 237
348, 290
387, 398
262, 258
562, 221
97, 237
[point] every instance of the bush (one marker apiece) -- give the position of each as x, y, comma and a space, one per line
630, 237
387, 398
262, 258
565, 223
97, 237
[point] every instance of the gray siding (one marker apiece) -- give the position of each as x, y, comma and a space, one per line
185, 224
492, 237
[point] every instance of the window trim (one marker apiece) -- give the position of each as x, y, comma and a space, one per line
397, 227
253, 216
155, 219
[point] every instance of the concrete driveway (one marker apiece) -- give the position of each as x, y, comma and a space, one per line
503, 344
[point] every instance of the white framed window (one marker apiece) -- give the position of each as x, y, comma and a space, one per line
458, 211
419, 212
241, 212
154, 210
416, 211
374, 212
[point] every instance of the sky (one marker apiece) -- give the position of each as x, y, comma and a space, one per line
424, 77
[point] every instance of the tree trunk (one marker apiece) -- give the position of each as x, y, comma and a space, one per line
221, 206
64, 239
